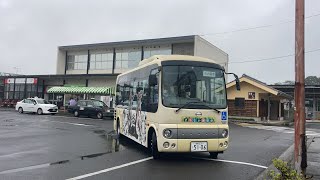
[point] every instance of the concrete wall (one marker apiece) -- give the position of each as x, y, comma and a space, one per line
77, 71
183, 49
205, 49
102, 82
76, 82
100, 71
61, 59
53, 82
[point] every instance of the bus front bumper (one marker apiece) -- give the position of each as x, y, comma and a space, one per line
184, 138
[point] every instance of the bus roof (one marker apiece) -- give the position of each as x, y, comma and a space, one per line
157, 59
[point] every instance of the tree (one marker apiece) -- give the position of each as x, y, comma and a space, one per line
287, 82
310, 80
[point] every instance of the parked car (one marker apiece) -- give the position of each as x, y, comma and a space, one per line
91, 108
36, 105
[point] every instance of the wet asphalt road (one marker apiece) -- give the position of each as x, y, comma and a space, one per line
54, 147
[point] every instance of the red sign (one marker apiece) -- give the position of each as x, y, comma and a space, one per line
21, 80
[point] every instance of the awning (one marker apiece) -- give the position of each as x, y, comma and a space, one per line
82, 90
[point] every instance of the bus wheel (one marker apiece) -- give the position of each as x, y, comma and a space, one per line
214, 155
154, 146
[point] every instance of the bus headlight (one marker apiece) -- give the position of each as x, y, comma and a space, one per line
224, 133
167, 133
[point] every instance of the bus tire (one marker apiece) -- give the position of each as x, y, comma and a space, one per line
214, 155
154, 146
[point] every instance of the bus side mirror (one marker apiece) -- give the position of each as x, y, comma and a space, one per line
153, 80
237, 82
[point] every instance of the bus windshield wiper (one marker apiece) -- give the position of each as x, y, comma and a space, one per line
196, 102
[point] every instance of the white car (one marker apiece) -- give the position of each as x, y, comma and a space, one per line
36, 105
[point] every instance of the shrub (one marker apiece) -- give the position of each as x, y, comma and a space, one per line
285, 171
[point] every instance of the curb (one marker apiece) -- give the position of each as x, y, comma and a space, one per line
312, 121
287, 124
285, 156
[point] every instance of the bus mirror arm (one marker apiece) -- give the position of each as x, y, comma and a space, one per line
236, 79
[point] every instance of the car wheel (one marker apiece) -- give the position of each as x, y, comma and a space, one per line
39, 111
99, 115
20, 110
76, 114
213, 155
154, 147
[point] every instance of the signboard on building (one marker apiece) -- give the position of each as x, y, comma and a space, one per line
251, 95
21, 80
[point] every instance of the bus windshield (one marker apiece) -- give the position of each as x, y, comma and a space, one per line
182, 85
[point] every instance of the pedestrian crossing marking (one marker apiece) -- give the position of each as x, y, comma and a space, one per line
286, 130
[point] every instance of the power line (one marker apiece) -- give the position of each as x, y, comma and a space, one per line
255, 27
271, 58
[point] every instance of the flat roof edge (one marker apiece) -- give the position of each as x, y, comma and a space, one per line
131, 42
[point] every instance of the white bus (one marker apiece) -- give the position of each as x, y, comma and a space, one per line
174, 103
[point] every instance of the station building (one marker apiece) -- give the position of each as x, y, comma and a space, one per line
90, 70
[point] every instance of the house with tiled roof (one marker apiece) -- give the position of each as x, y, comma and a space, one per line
256, 100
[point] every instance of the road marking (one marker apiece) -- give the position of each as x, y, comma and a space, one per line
84, 118
235, 162
25, 168
110, 169
286, 130
76, 124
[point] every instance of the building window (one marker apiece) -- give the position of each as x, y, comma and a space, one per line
128, 58
156, 50
101, 60
239, 103
77, 62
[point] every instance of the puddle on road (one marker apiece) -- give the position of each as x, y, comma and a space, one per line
8, 123
60, 162
113, 145
8, 120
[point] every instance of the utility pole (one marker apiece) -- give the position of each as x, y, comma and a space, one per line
300, 150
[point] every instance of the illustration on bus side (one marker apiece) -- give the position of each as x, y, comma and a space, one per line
134, 119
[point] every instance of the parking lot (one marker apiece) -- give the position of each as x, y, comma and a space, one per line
60, 147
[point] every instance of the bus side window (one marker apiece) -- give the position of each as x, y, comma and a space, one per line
154, 90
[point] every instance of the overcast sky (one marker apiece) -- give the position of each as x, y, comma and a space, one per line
30, 31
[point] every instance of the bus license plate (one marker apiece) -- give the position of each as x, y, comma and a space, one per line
199, 146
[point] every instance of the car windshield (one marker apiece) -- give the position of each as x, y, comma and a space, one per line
42, 101
98, 103
183, 85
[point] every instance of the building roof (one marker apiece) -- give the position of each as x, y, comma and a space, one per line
66, 76
179, 39
259, 84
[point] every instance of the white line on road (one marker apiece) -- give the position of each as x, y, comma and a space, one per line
110, 169
76, 124
235, 162
25, 168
